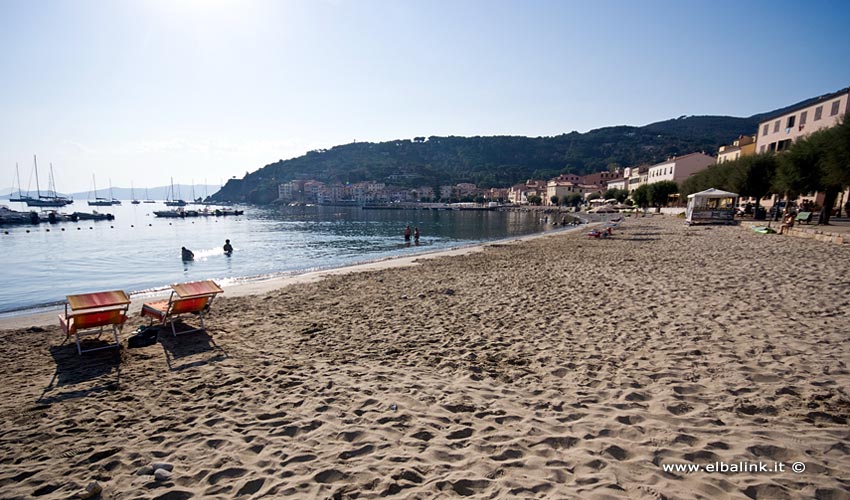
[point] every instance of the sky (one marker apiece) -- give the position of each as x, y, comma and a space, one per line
140, 91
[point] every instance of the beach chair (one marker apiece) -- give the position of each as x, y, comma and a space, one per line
186, 298
91, 312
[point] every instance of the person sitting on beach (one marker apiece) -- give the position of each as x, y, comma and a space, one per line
787, 223
228, 249
407, 233
187, 254
416, 234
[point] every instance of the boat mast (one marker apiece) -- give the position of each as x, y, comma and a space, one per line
18, 175
51, 184
37, 189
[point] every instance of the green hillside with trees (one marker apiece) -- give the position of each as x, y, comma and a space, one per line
497, 161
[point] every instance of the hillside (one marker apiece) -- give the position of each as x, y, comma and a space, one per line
498, 161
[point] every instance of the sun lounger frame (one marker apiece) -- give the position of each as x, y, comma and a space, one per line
94, 311
185, 298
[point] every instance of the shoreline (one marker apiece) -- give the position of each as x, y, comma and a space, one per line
41, 316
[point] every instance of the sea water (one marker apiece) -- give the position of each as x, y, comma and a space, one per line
140, 253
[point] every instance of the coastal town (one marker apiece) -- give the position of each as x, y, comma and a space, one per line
775, 134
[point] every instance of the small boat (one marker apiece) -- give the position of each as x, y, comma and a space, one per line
112, 199
227, 211
20, 198
94, 215
171, 201
133, 194
173, 214
8, 216
98, 202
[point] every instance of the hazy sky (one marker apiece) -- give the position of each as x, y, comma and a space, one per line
208, 89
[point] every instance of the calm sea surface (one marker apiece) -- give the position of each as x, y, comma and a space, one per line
140, 252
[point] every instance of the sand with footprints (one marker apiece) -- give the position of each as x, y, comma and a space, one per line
559, 367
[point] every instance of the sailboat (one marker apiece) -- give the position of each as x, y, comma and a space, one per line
171, 201
148, 198
133, 194
20, 198
98, 202
112, 199
48, 200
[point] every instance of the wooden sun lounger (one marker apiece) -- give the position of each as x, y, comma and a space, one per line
89, 311
185, 298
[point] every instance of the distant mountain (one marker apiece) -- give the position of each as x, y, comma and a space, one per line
184, 191
498, 161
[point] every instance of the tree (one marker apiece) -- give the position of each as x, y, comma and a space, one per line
593, 196
659, 192
618, 194
571, 200
641, 196
819, 162
534, 199
554, 199
754, 176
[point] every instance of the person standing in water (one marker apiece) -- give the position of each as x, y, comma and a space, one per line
416, 235
407, 233
186, 254
228, 249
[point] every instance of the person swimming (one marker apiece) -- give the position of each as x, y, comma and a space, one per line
228, 248
187, 254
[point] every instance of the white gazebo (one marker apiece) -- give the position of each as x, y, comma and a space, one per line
711, 206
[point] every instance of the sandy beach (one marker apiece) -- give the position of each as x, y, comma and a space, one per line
556, 367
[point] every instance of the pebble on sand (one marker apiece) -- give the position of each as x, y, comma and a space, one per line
162, 475
92, 490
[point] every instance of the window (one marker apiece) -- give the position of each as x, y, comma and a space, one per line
834, 110
776, 126
761, 150
764, 130
791, 120
771, 147
818, 112
783, 145
803, 116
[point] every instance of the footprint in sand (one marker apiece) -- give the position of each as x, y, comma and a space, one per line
465, 487
685, 439
461, 434
702, 456
423, 436
329, 476
766, 491
616, 452
231, 473
175, 495
558, 442
680, 408
629, 419
363, 450
774, 453
508, 455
